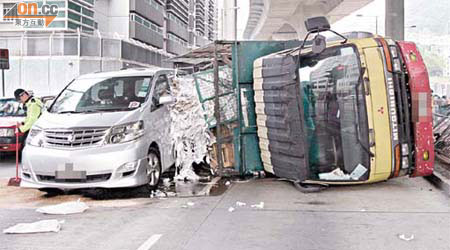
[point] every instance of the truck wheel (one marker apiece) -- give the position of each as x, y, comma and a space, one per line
153, 168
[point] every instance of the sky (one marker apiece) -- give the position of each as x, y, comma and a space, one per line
243, 9
364, 19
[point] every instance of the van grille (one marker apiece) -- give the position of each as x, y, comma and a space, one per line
74, 138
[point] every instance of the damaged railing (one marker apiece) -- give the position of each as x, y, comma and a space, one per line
441, 131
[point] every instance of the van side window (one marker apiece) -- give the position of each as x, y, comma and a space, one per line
161, 88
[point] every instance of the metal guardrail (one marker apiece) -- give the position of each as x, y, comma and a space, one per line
441, 131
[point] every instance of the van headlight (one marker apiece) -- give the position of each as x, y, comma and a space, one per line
35, 137
126, 132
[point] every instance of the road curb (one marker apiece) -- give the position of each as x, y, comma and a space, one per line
440, 182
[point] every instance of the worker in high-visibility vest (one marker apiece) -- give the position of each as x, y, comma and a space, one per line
32, 106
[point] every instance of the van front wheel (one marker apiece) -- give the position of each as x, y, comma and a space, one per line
153, 167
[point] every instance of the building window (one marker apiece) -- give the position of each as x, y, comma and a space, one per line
177, 20
75, 7
176, 39
88, 21
60, 4
61, 13
72, 25
87, 12
146, 23
155, 4
87, 30
57, 24
74, 16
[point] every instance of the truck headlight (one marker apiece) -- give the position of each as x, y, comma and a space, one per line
396, 65
393, 50
405, 149
405, 162
35, 137
126, 132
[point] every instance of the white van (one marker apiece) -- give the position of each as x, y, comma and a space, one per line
104, 130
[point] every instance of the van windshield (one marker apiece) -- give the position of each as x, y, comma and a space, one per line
335, 111
103, 95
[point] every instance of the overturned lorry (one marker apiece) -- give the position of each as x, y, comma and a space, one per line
354, 110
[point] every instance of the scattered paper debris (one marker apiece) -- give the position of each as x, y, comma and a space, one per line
240, 204
231, 209
258, 206
188, 129
336, 174
171, 194
72, 207
184, 206
42, 226
166, 182
358, 172
406, 238
190, 204
227, 183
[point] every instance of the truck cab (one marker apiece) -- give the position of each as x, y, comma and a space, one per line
357, 111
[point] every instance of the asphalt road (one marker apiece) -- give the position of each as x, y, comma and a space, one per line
354, 217
7, 166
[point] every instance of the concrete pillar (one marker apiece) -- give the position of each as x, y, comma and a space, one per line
395, 19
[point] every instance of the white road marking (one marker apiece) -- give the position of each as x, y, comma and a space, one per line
150, 242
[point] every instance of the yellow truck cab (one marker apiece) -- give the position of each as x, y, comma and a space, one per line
350, 111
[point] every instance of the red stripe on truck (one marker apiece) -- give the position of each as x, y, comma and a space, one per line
421, 109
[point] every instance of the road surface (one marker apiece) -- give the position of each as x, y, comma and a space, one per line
356, 217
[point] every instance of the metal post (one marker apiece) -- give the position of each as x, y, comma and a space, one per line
217, 111
376, 25
235, 20
395, 19
3, 83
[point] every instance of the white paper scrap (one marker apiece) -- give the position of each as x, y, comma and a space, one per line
406, 238
336, 174
240, 204
258, 206
43, 226
72, 207
358, 172
231, 209
189, 134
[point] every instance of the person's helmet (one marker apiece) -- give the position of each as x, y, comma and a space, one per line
18, 92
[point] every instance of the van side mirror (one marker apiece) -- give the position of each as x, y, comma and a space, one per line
48, 104
167, 99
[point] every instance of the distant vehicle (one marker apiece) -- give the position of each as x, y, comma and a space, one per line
11, 112
104, 130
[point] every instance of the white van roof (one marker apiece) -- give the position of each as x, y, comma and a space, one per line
126, 72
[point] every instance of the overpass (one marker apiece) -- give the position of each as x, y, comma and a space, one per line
284, 19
